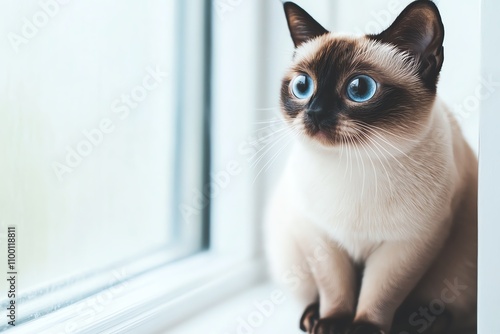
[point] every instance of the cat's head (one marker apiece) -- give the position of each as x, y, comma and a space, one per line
356, 90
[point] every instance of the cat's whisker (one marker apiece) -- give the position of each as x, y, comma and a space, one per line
269, 120
294, 131
377, 146
299, 131
388, 132
353, 149
408, 125
267, 148
256, 141
261, 152
265, 140
348, 156
269, 163
371, 161
363, 166
270, 108
341, 149
379, 136
408, 122
352, 155
382, 163
373, 140
344, 143
264, 126
271, 127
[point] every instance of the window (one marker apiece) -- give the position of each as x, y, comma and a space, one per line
105, 119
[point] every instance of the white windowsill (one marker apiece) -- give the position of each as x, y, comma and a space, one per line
154, 301
241, 314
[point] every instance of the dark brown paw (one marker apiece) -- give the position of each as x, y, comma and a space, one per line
309, 318
332, 325
364, 328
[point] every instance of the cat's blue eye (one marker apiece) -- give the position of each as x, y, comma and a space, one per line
302, 86
361, 88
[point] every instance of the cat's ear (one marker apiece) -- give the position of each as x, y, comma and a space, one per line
301, 25
420, 31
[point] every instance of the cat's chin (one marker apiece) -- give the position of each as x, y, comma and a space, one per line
322, 138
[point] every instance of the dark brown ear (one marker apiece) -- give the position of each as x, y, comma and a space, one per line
301, 25
420, 31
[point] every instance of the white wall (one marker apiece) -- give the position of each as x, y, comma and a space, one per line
489, 180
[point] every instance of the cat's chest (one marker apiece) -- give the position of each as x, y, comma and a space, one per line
353, 204
343, 205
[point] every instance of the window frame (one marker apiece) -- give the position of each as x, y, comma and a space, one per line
192, 111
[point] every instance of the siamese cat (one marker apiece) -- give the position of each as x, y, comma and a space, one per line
374, 221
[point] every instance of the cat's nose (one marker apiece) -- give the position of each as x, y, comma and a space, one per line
317, 114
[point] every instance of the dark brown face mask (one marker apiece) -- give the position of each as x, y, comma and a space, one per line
342, 82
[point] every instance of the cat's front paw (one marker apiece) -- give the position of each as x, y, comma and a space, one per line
310, 322
332, 325
364, 328
309, 318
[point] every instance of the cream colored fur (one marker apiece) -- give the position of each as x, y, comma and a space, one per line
404, 207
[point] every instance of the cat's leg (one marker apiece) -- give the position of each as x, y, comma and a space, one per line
335, 276
313, 268
391, 272
413, 317
448, 291
287, 263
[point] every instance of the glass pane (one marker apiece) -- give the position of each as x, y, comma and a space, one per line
87, 114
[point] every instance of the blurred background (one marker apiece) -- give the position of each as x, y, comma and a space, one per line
138, 134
